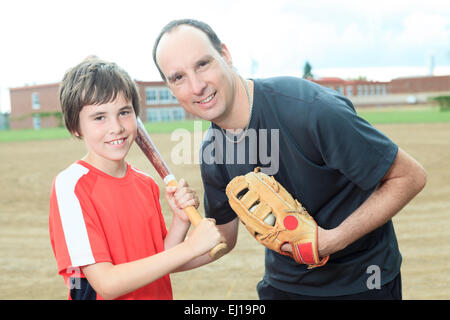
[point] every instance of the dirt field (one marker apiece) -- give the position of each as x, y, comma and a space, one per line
28, 268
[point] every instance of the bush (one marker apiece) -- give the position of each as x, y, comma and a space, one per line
56, 114
444, 102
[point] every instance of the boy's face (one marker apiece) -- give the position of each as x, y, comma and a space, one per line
108, 131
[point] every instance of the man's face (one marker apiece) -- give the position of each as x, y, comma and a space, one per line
198, 76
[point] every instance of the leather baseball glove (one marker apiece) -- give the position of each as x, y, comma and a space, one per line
274, 217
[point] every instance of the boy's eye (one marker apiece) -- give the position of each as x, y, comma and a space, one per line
99, 118
125, 112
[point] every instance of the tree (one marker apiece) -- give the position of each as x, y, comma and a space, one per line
443, 101
307, 71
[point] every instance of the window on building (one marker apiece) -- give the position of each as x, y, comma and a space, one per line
151, 96
366, 90
159, 95
378, 89
152, 115
165, 114
360, 90
164, 96
349, 91
178, 114
35, 101
36, 122
174, 100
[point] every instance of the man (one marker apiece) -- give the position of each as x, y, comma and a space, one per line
349, 176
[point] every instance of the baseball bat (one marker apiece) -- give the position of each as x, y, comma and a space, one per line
146, 144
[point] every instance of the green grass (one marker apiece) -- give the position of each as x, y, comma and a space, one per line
374, 116
391, 116
62, 133
30, 134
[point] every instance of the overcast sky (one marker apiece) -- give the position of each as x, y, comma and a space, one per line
383, 39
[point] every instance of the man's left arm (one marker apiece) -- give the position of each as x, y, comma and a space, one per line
403, 181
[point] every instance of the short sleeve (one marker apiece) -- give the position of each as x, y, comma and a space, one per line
350, 144
75, 232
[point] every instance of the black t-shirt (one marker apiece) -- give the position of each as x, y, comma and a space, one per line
313, 142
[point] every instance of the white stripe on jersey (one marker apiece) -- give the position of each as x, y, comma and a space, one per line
72, 220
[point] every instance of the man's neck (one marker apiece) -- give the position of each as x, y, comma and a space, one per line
238, 117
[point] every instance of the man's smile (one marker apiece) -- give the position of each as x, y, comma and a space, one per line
207, 99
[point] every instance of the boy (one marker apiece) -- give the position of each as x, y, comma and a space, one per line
106, 226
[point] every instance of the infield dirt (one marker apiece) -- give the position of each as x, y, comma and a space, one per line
28, 268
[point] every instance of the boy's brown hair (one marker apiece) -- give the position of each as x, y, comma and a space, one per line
93, 81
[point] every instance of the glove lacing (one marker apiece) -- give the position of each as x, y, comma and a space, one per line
274, 232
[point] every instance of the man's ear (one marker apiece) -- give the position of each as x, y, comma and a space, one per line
226, 55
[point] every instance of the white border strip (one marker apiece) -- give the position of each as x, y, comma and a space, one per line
72, 219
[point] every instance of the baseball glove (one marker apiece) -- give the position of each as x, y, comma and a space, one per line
274, 217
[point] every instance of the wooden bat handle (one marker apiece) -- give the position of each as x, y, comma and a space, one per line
146, 144
195, 218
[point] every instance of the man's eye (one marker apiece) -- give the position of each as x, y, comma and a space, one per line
178, 77
203, 63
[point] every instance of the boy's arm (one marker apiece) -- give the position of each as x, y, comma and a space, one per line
180, 197
229, 232
112, 281
176, 233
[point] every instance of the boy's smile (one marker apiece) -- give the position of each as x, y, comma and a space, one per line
108, 131
118, 142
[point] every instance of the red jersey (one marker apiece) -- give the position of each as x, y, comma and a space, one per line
95, 217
